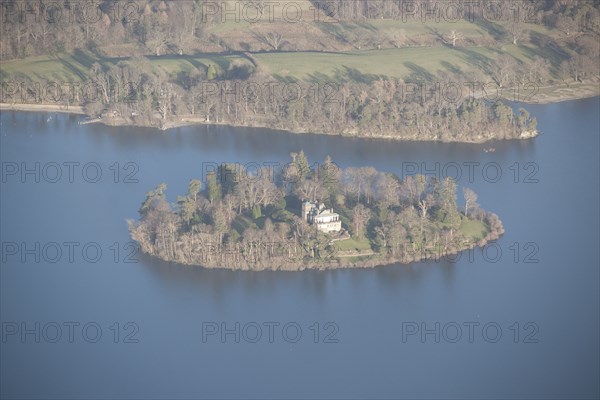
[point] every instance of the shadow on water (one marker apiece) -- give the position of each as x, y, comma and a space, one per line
314, 283
219, 282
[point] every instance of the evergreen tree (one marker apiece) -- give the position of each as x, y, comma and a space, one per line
213, 187
329, 176
301, 163
194, 188
448, 203
229, 174
211, 74
151, 197
188, 205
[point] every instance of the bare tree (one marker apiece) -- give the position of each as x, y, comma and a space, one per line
273, 39
564, 71
166, 97
398, 37
574, 68
454, 36
504, 70
360, 217
182, 24
103, 81
516, 31
470, 200
387, 189
310, 189
424, 206
258, 189
360, 37
538, 69
566, 25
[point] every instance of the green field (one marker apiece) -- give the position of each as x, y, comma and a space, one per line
76, 66
408, 63
473, 229
422, 63
315, 47
353, 244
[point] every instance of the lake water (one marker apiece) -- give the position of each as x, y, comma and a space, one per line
520, 320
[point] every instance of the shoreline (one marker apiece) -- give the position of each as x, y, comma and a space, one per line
77, 110
556, 94
373, 261
585, 92
187, 121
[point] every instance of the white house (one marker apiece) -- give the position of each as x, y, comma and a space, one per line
324, 218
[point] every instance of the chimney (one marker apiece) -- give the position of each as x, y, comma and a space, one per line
306, 207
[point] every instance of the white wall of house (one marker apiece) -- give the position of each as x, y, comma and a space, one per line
326, 218
327, 222
330, 227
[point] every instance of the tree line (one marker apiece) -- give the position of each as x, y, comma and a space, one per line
176, 27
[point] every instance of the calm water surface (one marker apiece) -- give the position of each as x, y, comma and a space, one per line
547, 308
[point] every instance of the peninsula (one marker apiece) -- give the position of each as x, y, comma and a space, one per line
362, 68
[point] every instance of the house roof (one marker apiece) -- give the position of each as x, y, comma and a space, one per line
327, 214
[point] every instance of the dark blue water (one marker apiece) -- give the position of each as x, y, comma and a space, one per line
542, 291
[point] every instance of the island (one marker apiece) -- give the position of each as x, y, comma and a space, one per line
310, 217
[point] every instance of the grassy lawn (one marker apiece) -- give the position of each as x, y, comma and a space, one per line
418, 63
353, 244
407, 63
60, 68
76, 66
473, 229
359, 65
